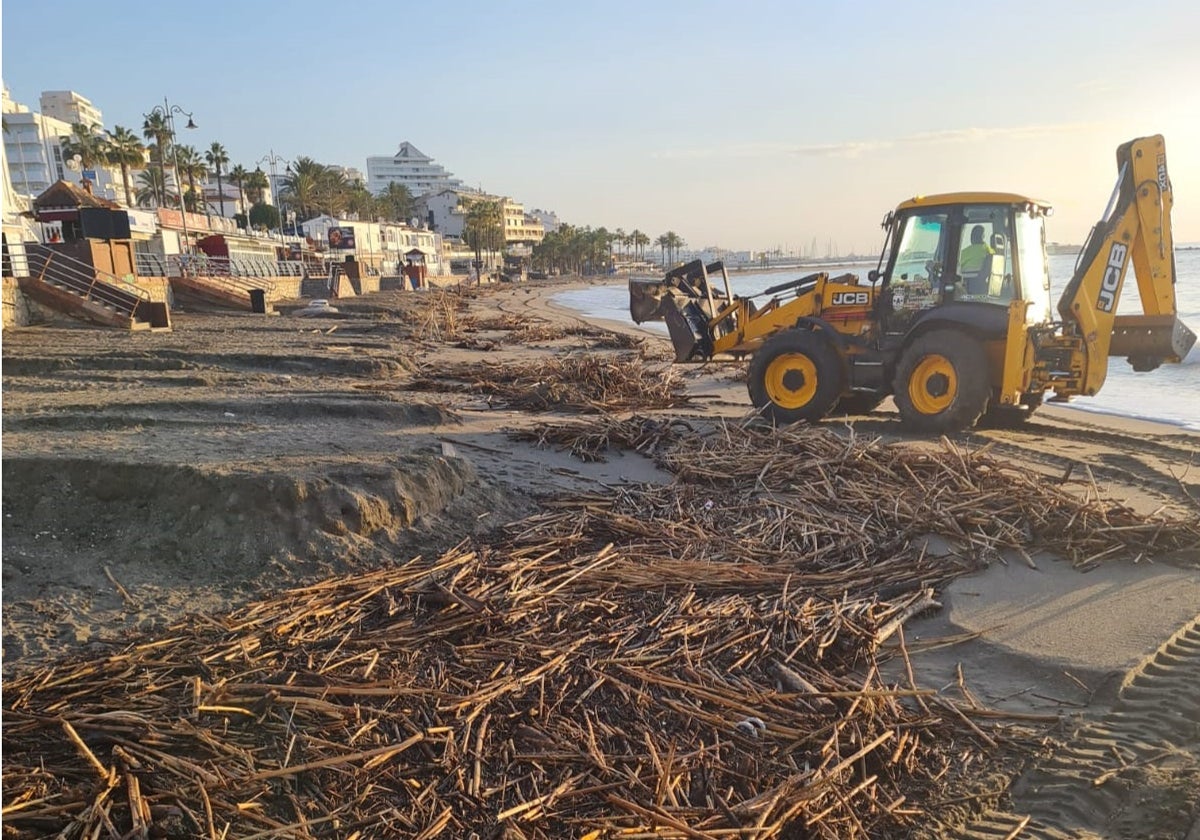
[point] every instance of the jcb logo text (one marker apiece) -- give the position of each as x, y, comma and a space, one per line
851, 298
1112, 278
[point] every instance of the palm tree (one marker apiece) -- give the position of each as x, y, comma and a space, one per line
216, 157
661, 242
125, 150
158, 128
301, 191
256, 185
332, 192
151, 189
304, 187
190, 165
674, 244
88, 144
640, 241
238, 176
483, 228
396, 202
360, 202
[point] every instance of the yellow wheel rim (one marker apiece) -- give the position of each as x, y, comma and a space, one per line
791, 380
933, 384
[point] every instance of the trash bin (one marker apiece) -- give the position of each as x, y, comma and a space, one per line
258, 301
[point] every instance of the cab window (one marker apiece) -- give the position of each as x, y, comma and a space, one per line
1032, 271
984, 264
915, 276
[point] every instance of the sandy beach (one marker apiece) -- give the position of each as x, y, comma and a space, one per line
148, 477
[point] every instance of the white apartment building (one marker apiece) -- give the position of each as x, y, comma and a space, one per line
446, 212
71, 107
548, 218
441, 212
350, 173
412, 168
32, 145
387, 244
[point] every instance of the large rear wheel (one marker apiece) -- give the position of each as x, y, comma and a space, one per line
942, 382
796, 375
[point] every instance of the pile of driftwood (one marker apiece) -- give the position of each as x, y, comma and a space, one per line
591, 439
527, 331
437, 314
812, 499
523, 691
585, 383
694, 660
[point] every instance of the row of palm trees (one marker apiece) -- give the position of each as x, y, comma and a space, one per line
584, 250
308, 187
311, 189
156, 187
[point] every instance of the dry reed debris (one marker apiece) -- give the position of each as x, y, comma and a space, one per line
584, 383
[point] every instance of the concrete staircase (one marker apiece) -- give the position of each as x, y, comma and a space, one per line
203, 281
73, 287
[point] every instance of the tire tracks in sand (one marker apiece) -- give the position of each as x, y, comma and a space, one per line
1134, 773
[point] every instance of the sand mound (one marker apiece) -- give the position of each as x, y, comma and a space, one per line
183, 538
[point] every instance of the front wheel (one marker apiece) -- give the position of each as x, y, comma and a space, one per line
942, 382
796, 375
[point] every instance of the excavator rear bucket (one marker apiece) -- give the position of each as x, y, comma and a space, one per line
1149, 340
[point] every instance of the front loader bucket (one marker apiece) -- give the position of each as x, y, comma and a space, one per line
646, 300
1149, 340
688, 327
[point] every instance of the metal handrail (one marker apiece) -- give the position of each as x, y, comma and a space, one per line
82, 278
187, 268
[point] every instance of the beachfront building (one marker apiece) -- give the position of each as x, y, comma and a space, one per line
71, 107
411, 168
32, 145
351, 174
440, 211
384, 246
520, 228
234, 202
548, 218
446, 212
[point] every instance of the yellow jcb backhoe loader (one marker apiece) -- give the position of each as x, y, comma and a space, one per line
954, 322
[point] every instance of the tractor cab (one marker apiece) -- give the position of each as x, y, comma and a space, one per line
971, 249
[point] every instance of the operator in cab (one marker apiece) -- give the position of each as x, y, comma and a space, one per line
972, 258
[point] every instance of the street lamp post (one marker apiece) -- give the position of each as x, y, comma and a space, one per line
168, 111
272, 159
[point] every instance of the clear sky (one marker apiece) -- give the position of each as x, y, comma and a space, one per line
747, 124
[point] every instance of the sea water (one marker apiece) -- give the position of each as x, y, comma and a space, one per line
1169, 394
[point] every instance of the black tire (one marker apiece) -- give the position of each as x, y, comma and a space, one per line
858, 402
796, 375
942, 383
